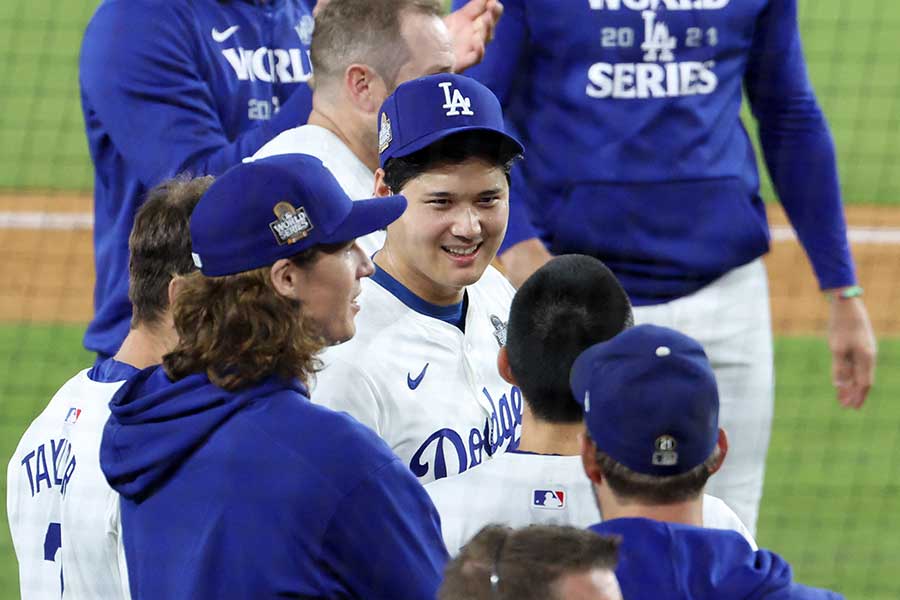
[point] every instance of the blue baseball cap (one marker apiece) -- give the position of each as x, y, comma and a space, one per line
650, 400
277, 207
425, 110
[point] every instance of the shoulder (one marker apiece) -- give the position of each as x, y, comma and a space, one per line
290, 141
494, 282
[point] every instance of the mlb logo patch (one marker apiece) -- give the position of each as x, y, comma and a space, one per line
73, 414
552, 499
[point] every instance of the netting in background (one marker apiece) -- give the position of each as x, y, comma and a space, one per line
831, 488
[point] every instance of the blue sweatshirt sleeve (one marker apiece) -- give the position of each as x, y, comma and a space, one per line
143, 80
397, 552
797, 146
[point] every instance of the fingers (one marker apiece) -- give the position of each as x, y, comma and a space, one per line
473, 9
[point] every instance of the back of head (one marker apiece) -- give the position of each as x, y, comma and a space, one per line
527, 564
160, 245
363, 32
656, 385
569, 304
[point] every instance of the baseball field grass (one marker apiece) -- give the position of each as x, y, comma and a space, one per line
830, 503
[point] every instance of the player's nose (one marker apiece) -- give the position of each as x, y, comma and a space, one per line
467, 223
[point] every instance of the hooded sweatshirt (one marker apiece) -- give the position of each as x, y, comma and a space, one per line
670, 561
258, 494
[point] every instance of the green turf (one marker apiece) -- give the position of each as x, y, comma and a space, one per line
830, 505
851, 50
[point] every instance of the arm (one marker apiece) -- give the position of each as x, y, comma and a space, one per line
800, 156
141, 80
344, 387
385, 538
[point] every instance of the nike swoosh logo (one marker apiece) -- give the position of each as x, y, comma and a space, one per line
414, 383
221, 36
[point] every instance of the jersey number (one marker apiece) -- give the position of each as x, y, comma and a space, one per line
52, 544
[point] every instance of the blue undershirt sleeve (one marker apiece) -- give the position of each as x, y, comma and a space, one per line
143, 80
797, 145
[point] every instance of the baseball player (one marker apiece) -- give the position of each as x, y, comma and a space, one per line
62, 514
657, 385
421, 371
173, 86
360, 53
541, 562
233, 484
567, 305
640, 159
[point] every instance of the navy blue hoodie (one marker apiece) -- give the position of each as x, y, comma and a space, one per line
261, 494
630, 111
169, 86
669, 561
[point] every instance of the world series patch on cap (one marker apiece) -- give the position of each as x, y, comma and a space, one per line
425, 110
650, 400
277, 207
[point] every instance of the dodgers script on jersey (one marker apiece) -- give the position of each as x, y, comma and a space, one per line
42, 472
354, 177
429, 390
520, 489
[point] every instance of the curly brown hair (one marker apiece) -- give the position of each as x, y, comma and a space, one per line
237, 329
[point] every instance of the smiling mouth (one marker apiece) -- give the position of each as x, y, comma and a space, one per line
462, 252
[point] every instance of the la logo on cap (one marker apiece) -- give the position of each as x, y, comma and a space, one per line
456, 104
292, 224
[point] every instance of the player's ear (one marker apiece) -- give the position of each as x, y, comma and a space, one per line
381, 188
366, 88
722, 444
175, 285
284, 277
504, 368
589, 460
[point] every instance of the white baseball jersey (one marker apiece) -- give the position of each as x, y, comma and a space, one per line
432, 392
353, 176
519, 489
51, 468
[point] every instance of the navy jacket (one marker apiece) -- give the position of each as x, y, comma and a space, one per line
669, 561
172, 86
261, 494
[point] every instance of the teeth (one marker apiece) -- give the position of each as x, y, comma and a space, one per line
462, 251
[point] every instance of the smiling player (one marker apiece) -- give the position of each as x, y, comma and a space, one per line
421, 370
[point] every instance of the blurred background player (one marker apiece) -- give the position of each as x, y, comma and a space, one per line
569, 304
361, 50
54, 480
541, 562
422, 370
233, 484
172, 86
638, 157
657, 385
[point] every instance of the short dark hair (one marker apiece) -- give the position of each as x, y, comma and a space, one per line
566, 306
628, 484
528, 562
489, 146
365, 32
160, 245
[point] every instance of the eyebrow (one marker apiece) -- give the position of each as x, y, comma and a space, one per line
488, 192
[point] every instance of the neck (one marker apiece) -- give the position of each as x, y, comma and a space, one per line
419, 285
330, 116
542, 437
689, 512
144, 346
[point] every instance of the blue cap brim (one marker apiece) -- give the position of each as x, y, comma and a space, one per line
431, 138
367, 216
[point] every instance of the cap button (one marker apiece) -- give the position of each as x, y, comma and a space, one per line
663, 351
